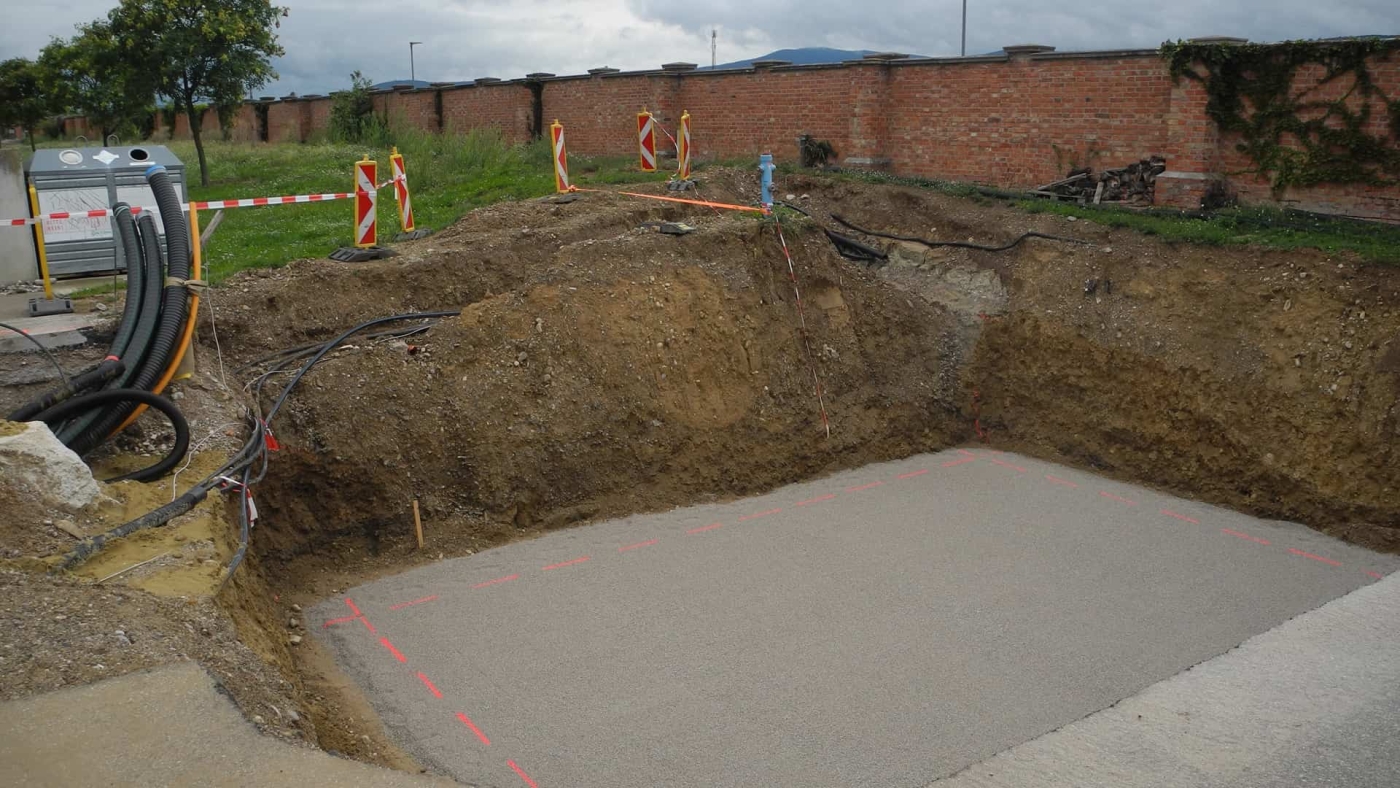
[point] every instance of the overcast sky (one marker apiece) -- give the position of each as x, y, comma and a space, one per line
464, 39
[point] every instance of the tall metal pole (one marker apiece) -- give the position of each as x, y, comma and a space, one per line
964, 29
412, 72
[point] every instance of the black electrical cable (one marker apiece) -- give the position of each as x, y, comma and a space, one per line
331, 345
93, 377
308, 349
253, 450
106, 396
47, 353
155, 517
957, 244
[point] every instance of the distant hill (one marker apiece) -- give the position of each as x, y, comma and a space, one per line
805, 56
417, 83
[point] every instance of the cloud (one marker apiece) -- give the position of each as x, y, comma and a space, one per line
465, 39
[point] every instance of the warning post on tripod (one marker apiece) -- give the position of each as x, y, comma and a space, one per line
646, 141
683, 147
401, 196
366, 196
561, 157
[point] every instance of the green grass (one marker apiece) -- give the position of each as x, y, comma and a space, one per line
1255, 225
449, 175
1260, 226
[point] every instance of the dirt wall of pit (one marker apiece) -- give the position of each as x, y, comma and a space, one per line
599, 369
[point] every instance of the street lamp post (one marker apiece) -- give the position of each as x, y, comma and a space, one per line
412, 73
964, 29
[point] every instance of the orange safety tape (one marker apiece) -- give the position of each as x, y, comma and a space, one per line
725, 205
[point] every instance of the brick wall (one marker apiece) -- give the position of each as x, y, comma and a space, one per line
1011, 121
503, 105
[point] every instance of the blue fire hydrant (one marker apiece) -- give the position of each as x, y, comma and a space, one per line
765, 169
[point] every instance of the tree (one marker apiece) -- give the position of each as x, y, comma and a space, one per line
88, 74
23, 101
200, 51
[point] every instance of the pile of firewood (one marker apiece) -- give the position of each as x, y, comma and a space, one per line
1132, 185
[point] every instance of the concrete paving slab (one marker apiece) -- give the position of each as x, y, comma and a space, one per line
168, 726
885, 626
50, 330
1314, 702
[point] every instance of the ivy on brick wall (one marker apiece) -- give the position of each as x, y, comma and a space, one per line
1292, 135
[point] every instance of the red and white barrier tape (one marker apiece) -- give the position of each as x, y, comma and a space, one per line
203, 206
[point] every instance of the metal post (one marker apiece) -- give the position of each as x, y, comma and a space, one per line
964, 29
412, 72
39, 238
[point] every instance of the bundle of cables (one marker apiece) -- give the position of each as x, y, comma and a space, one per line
149, 343
248, 465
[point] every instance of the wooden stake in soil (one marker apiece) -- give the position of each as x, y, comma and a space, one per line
417, 524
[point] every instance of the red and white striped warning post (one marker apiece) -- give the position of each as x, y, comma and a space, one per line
365, 200
646, 141
683, 147
561, 157
401, 190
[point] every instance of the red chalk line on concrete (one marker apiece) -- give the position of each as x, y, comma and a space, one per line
757, 515
1298, 552
341, 620
522, 774
563, 564
1113, 497
1244, 536
1058, 480
1182, 517
919, 472
647, 543
361, 616
467, 722
498, 580
437, 693
402, 605
1376, 575
1004, 464
959, 462
818, 499
704, 528
397, 654
864, 487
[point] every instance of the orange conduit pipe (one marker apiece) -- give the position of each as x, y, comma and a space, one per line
725, 205
195, 271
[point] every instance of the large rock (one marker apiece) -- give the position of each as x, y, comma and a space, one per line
34, 461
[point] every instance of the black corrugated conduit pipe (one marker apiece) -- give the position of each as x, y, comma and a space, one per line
98, 375
127, 396
173, 310
146, 266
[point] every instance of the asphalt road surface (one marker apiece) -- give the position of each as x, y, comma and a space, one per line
887, 626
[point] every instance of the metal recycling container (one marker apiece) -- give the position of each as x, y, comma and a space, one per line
84, 179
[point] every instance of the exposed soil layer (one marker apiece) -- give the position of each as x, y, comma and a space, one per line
599, 369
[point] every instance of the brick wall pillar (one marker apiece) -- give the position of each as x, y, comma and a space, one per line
304, 121
870, 110
1193, 145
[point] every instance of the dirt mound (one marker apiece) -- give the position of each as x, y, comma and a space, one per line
647, 371
599, 368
